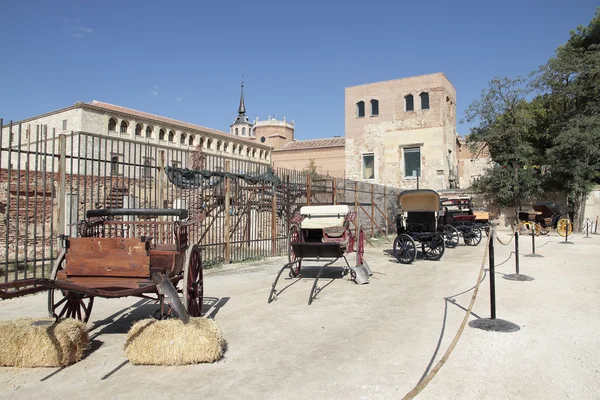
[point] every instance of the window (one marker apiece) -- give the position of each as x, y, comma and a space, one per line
369, 166
191, 140
182, 139
262, 139
374, 108
138, 130
161, 134
149, 131
219, 145
360, 109
412, 162
112, 125
225, 147
424, 101
201, 142
171, 136
209, 144
114, 165
266, 155
240, 150
64, 124
249, 131
409, 104
176, 164
147, 171
124, 126
236, 131
243, 131
253, 153
260, 155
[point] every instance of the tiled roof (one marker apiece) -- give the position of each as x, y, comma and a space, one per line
314, 144
141, 114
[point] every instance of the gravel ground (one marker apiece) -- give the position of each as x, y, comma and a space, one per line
372, 341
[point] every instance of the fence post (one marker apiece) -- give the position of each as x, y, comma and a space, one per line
62, 166
385, 210
273, 223
226, 240
334, 190
372, 210
356, 206
308, 194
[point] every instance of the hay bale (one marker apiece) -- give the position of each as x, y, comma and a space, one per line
170, 342
31, 342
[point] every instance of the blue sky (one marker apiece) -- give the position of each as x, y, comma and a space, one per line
183, 59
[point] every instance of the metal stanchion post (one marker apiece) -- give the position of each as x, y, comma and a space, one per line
532, 246
493, 323
518, 276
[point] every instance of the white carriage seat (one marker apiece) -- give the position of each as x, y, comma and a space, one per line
329, 218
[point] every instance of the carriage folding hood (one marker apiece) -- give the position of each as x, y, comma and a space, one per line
419, 200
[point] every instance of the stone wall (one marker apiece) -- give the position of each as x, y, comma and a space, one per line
329, 161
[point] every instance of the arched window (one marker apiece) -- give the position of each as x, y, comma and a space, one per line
112, 125
191, 140
249, 131
374, 107
124, 126
260, 155
225, 147
201, 142
236, 131
409, 104
138, 130
240, 150
234, 148
424, 101
148, 131
209, 144
182, 138
243, 131
247, 151
253, 153
171, 136
266, 155
161, 134
218, 145
360, 109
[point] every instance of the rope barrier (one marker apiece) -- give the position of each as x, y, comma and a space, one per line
425, 381
500, 241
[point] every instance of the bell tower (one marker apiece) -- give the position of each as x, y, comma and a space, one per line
241, 126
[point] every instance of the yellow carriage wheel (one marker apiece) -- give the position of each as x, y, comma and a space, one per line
564, 227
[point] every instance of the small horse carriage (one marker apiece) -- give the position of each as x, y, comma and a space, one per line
323, 233
546, 215
116, 256
458, 218
418, 223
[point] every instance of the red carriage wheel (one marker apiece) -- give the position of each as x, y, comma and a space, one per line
65, 304
193, 282
294, 236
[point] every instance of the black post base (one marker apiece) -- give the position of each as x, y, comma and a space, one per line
518, 277
533, 255
494, 325
566, 242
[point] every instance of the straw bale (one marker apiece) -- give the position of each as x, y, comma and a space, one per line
32, 342
170, 342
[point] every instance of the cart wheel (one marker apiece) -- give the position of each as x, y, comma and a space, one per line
294, 236
360, 246
193, 289
472, 236
544, 231
564, 227
405, 249
65, 304
451, 236
434, 248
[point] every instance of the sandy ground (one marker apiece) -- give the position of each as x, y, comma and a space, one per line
373, 341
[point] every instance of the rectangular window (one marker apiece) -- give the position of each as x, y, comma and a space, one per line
64, 124
114, 165
147, 171
412, 162
409, 103
369, 166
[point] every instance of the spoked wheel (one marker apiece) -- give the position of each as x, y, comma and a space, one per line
451, 236
66, 304
544, 231
472, 236
360, 246
294, 236
193, 282
405, 249
564, 227
434, 248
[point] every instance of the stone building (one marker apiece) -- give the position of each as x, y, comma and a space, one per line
403, 131
273, 132
329, 156
471, 166
152, 131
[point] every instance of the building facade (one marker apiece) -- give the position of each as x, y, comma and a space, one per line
328, 156
402, 132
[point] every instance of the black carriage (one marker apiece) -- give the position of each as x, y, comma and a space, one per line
418, 223
457, 218
549, 215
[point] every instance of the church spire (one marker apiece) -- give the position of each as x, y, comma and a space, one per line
242, 108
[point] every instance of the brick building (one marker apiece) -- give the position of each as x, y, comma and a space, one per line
399, 129
329, 155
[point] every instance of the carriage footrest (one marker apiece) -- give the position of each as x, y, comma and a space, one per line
325, 250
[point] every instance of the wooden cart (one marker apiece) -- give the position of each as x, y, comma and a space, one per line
118, 253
